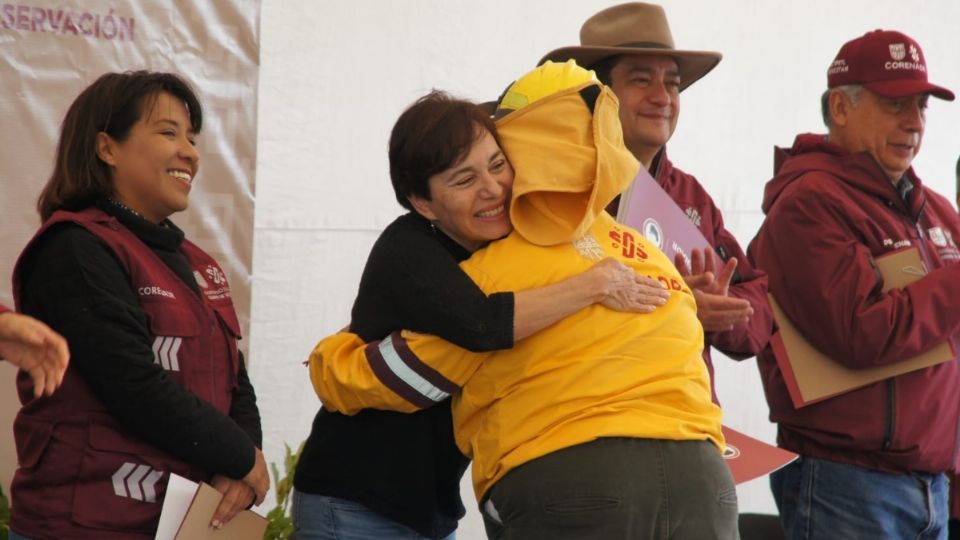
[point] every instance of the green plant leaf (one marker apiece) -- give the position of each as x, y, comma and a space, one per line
279, 522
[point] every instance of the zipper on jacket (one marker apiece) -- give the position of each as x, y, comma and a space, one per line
891, 415
922, 246
891, 411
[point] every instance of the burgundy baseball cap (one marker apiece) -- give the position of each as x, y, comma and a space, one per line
887, 63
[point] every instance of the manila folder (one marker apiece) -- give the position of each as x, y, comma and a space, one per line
811, 376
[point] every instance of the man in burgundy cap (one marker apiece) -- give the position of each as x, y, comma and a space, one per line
631, 49
874, 461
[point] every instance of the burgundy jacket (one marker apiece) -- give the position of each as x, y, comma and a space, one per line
81, 475
748, 283
828, 214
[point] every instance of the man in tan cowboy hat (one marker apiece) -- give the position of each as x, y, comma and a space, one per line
630, 48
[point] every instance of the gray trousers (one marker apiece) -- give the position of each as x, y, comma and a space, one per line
616, 488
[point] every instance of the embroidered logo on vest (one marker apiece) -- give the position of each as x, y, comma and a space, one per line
136, 482
213, 282
165, 349
216, 275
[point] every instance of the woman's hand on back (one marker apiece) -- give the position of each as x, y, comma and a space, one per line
625, 290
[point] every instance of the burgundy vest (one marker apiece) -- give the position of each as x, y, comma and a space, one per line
81, 475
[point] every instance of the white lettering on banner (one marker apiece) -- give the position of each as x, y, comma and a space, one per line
60, 21
155, 291
136, 482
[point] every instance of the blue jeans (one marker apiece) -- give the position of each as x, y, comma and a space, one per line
824, 499
318, 517
15, 536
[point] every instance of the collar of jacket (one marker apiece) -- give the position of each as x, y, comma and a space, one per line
815, 153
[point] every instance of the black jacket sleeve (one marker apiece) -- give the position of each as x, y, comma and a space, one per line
413, 281
243, 408
74, 283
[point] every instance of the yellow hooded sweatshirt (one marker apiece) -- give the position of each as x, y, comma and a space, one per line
597, 373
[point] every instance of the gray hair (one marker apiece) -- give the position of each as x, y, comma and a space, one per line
853, 93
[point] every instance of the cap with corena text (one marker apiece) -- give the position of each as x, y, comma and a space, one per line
886, 62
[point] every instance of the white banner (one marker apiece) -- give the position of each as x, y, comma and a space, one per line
50, 51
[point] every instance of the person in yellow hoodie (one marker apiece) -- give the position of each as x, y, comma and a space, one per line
600, 426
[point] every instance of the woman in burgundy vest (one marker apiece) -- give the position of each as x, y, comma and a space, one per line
156, 384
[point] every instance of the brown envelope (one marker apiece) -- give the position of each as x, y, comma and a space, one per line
246, 525
811, 376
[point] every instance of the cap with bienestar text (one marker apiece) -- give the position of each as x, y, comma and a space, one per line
886, 62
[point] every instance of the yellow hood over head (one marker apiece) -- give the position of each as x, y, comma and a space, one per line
568, 154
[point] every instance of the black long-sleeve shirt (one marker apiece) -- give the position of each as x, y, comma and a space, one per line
74, 283
407, 466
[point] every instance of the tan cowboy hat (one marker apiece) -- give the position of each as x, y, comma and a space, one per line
634, 28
